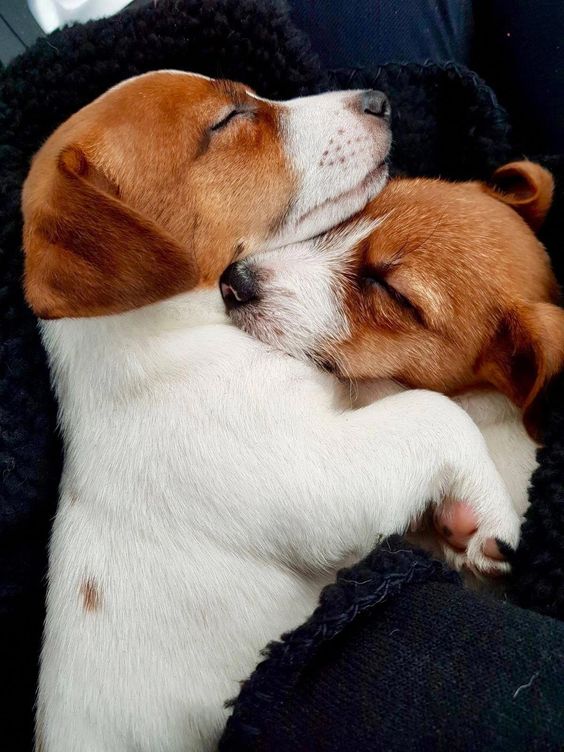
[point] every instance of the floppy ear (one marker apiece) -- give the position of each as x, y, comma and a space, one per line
525, 353
526, 187
89, 254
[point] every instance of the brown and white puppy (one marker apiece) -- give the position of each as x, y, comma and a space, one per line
157, 607
185, 173
211, 486
435, 285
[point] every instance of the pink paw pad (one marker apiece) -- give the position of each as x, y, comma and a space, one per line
456, 523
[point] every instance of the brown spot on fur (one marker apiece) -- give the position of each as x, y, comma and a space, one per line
90, 595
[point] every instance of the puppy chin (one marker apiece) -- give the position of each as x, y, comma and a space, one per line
350, 203
250, 320
317, 219
346, 205
257, 324
255, 321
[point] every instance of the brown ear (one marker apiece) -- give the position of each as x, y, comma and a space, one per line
525, 353
89, 254
526, 187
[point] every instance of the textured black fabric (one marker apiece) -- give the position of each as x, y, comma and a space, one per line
446, 123
400, 657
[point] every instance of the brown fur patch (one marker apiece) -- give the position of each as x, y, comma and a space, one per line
91, 597
454, 291
124, 207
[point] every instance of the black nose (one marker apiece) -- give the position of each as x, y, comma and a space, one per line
238, 285
376, 103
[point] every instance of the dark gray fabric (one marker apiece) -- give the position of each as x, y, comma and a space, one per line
367, 33
519, 49
515, 45
421, 664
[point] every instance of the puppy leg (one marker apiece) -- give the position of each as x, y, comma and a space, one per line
383, 464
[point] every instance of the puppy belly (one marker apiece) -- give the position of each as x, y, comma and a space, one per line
145, 643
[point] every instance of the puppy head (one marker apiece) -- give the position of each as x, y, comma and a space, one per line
437, 285
154, 187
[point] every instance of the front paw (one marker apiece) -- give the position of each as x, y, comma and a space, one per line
473, 543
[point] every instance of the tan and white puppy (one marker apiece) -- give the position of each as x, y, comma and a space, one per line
211, 485
434, 285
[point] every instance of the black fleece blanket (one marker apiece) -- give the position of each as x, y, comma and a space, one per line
446, 122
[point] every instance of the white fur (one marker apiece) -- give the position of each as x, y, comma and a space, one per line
509, 445
338, 158
299, 309
211, 487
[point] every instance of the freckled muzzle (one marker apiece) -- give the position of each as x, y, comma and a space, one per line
337, 144
344, 146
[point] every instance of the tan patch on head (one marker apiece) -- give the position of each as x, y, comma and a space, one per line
454, 291
91, 596
139, 197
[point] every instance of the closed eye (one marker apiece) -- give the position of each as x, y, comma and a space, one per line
373, 278
225, 120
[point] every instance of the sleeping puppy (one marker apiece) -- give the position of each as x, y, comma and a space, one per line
435, 285
211, 486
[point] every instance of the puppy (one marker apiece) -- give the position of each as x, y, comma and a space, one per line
435, 285
211, 485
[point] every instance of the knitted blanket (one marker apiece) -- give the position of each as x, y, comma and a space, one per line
446, 122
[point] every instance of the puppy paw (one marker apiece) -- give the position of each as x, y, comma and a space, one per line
474, 544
